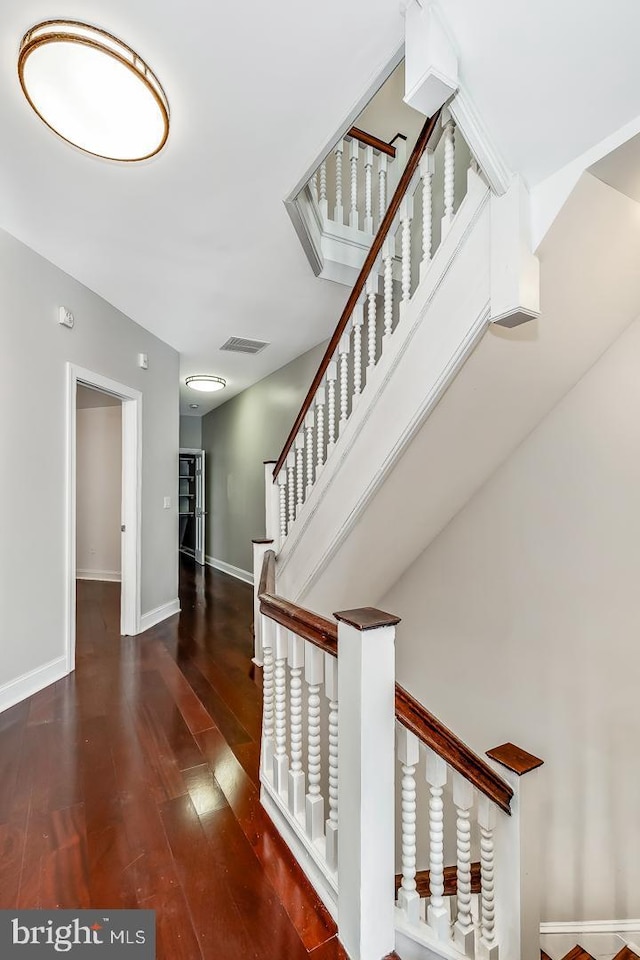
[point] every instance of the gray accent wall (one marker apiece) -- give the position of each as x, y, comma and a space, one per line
34, 361
191, 432
237, 437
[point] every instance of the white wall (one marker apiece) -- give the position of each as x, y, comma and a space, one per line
99, 492
33, 371
521, 622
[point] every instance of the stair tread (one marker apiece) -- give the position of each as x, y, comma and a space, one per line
626, 954
578, 953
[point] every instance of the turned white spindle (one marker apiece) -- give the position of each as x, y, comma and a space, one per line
383, 163
438, 911
299, 445
408, 750
296, 773
449, 173
331, 691
282, 492
487, 822
371, 289
358, 320
332, 376
322, 203
280, 759
291, 485
354, 153
268, 639
320, 405
313, 184
427, 169
343, 351
338, 210
387, 259
309, 425
406, 215
463, 928
314, 675
368, 189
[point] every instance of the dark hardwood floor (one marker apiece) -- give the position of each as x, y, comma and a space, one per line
134, 783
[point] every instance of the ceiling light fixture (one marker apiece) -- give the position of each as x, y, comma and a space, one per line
205, 383
93, 90
194, 406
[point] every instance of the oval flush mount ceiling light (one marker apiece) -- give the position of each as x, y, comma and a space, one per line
206, 384
93, 90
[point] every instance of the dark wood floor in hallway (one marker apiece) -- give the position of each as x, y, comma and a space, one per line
134, 783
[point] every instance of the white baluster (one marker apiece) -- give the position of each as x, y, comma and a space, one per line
368, 190
320, 404
323, 189
408, 749
383, 163
438, 912
463, 929
313, 185
358, 320
331, 691
387, 257
313, 674
343, 351
280, 759
282, 491
338, 210
309, 424
449, 171
332, 376
268, 639
487, 946
406, 215
299, 446
291, 485
427, 169
371, 288
354, 153
296, 773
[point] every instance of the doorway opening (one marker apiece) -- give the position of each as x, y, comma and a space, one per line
103, 493
191, 500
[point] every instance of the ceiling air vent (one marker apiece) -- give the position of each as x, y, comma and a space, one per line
242, 345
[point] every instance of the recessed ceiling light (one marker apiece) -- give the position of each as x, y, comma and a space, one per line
206, 384
93, 90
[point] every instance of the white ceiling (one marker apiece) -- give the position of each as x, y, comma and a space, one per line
549, 79
195, 244
621, 169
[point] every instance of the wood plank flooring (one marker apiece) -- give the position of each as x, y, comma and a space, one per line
134, 783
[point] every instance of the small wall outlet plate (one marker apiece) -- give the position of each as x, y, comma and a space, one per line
65, 317
167, 503
143, 361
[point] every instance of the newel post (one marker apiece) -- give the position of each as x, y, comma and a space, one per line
271, 504
366, 721
260, 547
517, 856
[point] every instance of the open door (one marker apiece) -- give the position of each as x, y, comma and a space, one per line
201, 513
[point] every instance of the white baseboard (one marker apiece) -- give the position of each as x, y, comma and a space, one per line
111, 576
590, 926
158, 614
236, 572
32, 682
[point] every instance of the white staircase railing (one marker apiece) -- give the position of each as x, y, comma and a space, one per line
327, 771
415, 223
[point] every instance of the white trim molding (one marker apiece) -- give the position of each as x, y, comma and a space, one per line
109, 576
224, 567
32, 682
589, 926
158, 614
480, 143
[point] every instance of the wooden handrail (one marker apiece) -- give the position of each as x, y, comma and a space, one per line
457, 754
319, 631
376, 247
370, 141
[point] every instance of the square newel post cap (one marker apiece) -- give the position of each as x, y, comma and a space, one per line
367, 618
269, 463
515, 759
263, 541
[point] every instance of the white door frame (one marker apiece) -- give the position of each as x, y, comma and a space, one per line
131, 501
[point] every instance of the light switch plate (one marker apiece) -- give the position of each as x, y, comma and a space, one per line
167, 503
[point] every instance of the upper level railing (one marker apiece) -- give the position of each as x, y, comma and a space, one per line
327, 770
